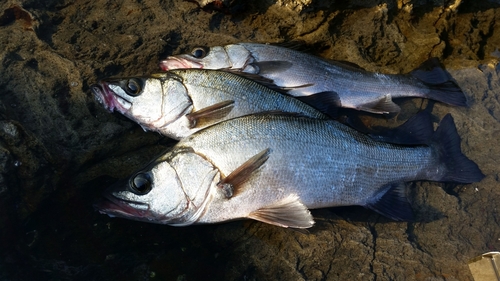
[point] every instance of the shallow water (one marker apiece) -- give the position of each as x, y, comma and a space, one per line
59, 148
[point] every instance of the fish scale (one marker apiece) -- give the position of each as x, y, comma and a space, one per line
273, 167
340, 84
167, 101
326, 148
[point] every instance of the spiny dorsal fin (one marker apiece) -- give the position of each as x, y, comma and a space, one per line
257, 78
230, 185
288, 212
215, 111
297, 45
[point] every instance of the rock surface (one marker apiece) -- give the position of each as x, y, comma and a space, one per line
59, 148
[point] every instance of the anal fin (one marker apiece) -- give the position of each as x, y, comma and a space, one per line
391, 202
230, 185
213, 112
288, 212
383, 105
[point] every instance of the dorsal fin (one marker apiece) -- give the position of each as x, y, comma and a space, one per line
297, 45
259, 79
417, 130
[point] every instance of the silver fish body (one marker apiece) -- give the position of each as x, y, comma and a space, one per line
180, 102
273, 168
304, 75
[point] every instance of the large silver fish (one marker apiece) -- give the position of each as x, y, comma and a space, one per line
339, 84
273, 168
180, 102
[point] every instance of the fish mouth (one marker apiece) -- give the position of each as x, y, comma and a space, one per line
115, 207
178, 63
109, 99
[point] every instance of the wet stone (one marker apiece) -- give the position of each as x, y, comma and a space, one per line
59, 148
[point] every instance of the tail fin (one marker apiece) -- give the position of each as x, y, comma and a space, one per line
459, 168
442, 88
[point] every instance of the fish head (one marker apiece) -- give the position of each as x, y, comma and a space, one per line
228, 57
173, 190
154, 102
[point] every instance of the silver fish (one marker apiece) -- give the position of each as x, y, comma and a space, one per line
305, 76
180, 102
273, 168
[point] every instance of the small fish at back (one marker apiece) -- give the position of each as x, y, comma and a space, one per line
180, 102
273, 168
318, 81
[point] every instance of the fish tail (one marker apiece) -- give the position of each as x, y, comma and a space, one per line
441, 87
458, 168
448, 92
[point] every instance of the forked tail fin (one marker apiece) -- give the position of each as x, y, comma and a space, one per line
442, 87
459, 168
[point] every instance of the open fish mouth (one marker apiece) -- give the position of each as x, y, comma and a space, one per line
178, 63
111, 101
114, 207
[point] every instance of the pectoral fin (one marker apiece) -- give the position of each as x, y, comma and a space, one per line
384, 105
288, 212
272, 67
213, 112
231, 184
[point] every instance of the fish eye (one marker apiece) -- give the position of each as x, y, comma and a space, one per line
133, 87
141, 184
199, 52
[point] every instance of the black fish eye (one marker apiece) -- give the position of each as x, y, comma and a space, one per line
141, 184
133, 87
199, 52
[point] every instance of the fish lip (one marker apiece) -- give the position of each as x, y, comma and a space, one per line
113, 206
108, 98
178, 63
103, 95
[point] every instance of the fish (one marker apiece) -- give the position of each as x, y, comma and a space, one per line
319, 81
180, 102
274, 168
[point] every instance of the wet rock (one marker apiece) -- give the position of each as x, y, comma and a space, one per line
59, 148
